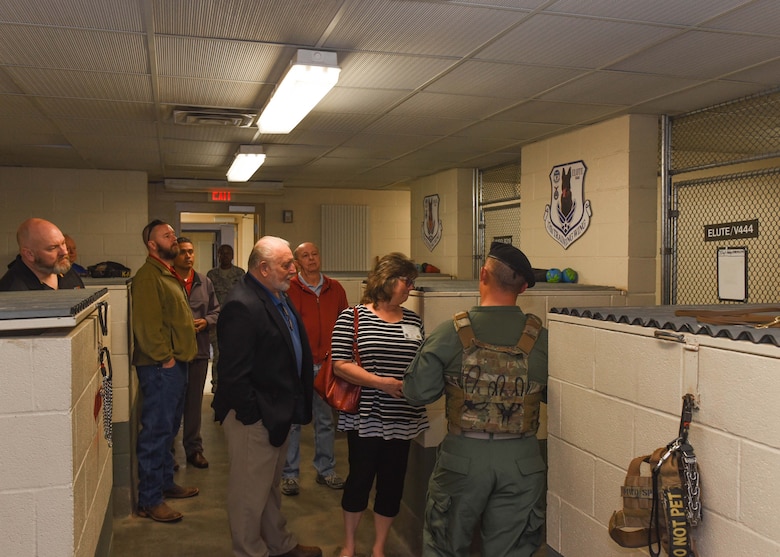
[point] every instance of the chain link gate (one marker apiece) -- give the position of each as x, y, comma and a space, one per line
498, 209
737, 132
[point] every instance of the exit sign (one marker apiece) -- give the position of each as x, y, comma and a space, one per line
220, 196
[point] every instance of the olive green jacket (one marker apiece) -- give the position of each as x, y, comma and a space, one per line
163, 325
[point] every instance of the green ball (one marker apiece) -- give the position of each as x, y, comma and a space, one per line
569, 275
554, 275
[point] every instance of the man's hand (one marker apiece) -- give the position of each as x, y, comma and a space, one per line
200, 325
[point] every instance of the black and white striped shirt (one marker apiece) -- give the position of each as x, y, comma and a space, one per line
386, 349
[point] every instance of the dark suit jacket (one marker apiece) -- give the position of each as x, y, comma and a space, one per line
258, 374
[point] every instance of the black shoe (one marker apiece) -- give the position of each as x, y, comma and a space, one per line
198, 460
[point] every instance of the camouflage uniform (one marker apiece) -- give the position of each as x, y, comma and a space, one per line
497, 483
223, 281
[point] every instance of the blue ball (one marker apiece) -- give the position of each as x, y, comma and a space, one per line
569, 275
554, 275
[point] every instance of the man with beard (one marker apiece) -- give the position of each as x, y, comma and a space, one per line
265, 386
42, 263
164, 332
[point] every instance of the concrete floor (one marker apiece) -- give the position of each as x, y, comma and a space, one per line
314, 515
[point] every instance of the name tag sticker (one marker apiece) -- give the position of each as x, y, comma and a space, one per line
411, 332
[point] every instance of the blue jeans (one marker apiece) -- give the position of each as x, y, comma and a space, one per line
163, 400
324, 435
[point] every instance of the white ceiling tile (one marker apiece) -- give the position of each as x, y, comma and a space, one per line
425, 85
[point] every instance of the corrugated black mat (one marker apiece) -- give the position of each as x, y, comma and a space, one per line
663, 317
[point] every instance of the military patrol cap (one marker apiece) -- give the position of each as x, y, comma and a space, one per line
514, 259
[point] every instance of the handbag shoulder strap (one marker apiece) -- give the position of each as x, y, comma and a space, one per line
355, 352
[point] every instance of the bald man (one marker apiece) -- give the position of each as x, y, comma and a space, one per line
42, 263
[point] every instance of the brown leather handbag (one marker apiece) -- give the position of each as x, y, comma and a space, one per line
337, 392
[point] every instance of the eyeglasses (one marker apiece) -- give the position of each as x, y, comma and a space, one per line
408, 281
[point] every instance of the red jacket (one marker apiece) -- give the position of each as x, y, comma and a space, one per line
319, 314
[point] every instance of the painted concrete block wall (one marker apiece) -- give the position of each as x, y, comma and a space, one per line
56, 480
453, 255
619, 247
388, 213
615, 392
104, 210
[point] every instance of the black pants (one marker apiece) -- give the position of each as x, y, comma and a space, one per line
374, 457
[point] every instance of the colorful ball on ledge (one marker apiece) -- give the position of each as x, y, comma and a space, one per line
554, 275
569, 275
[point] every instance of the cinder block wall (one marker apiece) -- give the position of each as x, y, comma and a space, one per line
56, 480
616, 393
104, 210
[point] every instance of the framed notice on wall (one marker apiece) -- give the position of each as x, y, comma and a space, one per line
732, 274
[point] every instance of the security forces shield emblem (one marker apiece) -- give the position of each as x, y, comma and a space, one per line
567, 217
431, 226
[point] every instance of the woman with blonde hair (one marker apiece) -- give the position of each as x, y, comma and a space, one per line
379, 435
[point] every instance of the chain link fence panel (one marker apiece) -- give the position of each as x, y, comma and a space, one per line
743, 130
498, 207
718, 201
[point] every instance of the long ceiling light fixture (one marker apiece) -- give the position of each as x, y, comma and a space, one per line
248, 159
310, 76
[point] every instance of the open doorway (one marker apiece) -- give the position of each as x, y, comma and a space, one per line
208, 231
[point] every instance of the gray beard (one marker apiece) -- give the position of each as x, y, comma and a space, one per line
59, 268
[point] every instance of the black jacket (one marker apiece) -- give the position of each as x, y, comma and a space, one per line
20, 277
258, 373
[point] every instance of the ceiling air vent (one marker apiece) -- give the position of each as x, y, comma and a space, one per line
213, 117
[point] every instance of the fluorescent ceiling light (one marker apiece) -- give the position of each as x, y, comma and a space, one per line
308, 79
248, 159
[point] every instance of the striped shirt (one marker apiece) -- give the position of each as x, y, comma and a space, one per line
386, 349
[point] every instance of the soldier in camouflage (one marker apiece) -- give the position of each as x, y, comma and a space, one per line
223, 276
489, 470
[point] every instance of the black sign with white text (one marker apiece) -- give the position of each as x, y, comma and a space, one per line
731, 230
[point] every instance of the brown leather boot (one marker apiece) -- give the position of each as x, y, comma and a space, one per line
160, 513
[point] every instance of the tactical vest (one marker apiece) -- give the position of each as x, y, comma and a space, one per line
493, 392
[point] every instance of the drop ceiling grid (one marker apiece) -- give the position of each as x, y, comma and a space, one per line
73, 49
618, 88
701, 55
397, 124
582, 42
246, 19
125, 129
348, 100
208, 93
13, 106
691, 12
83, 85
418, 28
443, 105
96, 109
323, 121
119, 15
216, 59
218, 134
762, 16
390, 71
9, 138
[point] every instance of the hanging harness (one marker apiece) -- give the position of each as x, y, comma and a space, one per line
493, 393
669, 480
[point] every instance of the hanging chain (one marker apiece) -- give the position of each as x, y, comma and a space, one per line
107, 394
691, 480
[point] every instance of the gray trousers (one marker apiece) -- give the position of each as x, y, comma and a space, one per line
193, 400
